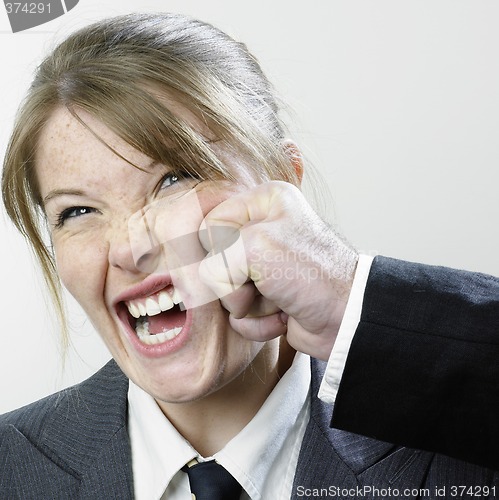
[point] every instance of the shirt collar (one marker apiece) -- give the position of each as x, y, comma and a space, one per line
159, 451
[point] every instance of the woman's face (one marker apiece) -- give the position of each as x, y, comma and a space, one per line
126, 245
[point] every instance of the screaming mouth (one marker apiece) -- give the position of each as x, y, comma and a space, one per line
158, 317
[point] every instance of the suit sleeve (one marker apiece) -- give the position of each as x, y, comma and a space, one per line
423, 367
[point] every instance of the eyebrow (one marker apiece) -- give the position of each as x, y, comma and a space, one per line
77, 192
61, 192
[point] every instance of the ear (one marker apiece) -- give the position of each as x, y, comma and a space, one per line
295, 157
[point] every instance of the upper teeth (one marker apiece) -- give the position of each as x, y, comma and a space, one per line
153, 305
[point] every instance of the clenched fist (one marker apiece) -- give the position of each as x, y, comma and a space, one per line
292, 275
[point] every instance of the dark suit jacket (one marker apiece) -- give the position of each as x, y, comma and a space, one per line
74, 445
423, 369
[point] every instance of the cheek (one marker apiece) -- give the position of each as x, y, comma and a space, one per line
81, 267
213, 195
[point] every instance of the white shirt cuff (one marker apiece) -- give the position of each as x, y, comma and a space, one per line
338, 358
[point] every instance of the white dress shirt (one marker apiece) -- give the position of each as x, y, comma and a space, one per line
338, 358
270, 442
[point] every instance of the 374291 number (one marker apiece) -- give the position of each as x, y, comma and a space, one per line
473, 491
27, 8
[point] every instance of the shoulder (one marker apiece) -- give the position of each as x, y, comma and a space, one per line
107, 384
68, 441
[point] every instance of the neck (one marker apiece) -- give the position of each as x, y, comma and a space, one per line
210, 423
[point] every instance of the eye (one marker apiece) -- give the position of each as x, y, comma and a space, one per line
178, 181
72, 213
168, 180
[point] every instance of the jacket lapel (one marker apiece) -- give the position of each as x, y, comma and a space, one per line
81, 446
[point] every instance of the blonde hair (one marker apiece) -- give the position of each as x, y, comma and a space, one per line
117, 70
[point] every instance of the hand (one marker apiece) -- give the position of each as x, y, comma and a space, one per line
292, 276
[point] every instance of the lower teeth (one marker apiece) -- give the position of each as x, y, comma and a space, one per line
142, 329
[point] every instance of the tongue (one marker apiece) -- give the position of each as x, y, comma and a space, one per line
166, 321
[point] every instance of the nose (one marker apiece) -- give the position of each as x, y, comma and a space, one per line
133, 246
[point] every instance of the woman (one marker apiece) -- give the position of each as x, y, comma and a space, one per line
151, 147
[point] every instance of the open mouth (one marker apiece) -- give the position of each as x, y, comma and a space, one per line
157, 318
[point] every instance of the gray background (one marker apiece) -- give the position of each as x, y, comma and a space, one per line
395, 103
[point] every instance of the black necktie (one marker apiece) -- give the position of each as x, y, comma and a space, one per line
210, 481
